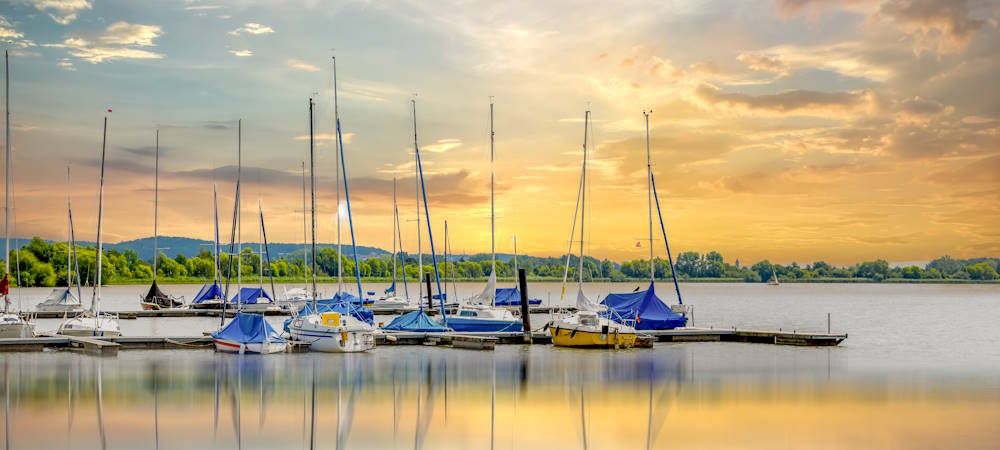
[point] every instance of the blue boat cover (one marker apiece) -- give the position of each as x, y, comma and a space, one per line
252, 295
416, 321
512, 297
649, 311
348, 297
391, 288
248, 328
438, 296
208, 292
359, 312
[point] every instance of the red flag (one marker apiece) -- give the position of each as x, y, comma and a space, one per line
5, 284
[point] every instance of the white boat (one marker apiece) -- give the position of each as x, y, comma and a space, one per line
92, 322
331, 331
60, 300
774, 278
11, 325
295, 298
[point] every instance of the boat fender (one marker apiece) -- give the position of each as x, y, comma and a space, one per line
572, 334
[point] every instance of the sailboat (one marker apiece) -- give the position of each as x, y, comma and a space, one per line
332, 331
481, 313
247, 332
644, 308
296, 298
586, 327
155, 299
93, 322
11, 325
774, 278
63, 299
210, 296
511, 297
391, 300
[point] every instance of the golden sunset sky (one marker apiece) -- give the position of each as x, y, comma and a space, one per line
794, 130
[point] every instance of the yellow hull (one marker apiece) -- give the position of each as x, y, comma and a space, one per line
591, 339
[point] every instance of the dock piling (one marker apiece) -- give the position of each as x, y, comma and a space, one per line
525, 315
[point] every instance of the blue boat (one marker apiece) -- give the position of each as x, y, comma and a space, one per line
483, 318
248, 333
643, 307
512, 297
417, 322
251, 296
210, 296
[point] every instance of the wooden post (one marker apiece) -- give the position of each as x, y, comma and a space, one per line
827, 323
525, 316
430, 297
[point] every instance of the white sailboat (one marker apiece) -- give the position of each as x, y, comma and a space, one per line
92, 322
391, 300
332, 331
774, 278
585, 327
481, 313
63, 299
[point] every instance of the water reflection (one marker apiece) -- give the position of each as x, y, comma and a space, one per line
516, 397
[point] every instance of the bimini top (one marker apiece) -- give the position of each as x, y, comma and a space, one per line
359, 312
208, 292
248, 328
61, 296
645, 307
512, 297
251, 296
415, 321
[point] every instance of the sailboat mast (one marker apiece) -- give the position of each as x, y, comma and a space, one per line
340, 252
312, 209
215, 208
493, 247
260, 243
239, 217
6, 204
95, 304
72, 238
156, 201
416, 182
305, 239
394, 236
69, 233
347, 192
649, 192
515, 261
583, 191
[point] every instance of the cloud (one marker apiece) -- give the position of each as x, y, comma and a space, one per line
348, 137
301, 65
790, 7
442, 145
242, 53
202, 7
66, 64
62, 11
7, 31
252, 28
944, 24
124, 33
788, 102
764, 63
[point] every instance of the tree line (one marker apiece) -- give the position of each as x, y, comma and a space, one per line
40, 263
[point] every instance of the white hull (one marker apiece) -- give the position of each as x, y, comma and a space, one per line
265, 348
359, 337
13, 326
102, 326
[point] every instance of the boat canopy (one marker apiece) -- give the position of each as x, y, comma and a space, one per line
649, 312
512, 297
358, 312
208, 292
415, 321
252, 295
155, 295
61, 297
248, 328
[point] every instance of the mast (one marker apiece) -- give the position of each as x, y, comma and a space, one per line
493, 247
156, 201
239, 217
416, 178
649, 192
515, 261
445, 258
394, 237
215, 207
69, 233
260, 243
423, 191
305, 239
312, 209
72, 238
95, 303
347, 193
583, 191
340, 250
399, 235
6, 204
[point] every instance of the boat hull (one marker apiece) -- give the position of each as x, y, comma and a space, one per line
569, 337
336, 342
461, 324
260, 348
59, 308
103, 326
16, 330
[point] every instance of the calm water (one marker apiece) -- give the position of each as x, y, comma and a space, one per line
921, 369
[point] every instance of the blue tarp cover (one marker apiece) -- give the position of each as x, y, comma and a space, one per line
416, 321
248, 328
208, 292
652, 313
359, 312
512, 297
391, 288
250, 296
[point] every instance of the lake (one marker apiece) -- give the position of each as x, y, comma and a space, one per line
920, 369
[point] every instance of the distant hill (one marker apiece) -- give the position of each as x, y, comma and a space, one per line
172, 245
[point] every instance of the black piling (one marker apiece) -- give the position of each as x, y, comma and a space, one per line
525, 316
430, 297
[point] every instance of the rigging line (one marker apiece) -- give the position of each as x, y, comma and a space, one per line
670, 259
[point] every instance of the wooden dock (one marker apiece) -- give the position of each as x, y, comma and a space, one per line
480, 341
185, 312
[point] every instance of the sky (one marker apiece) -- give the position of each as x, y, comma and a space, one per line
793, 130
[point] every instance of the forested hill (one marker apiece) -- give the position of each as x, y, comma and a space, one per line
172, 246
